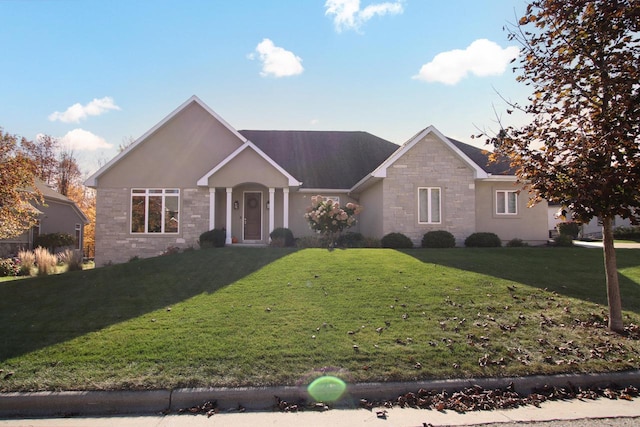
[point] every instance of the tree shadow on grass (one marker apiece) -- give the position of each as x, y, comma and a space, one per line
39, 312
572, 272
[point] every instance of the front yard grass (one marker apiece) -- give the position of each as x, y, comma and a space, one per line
257, 317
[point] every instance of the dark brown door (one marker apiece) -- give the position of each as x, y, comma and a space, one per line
252, 216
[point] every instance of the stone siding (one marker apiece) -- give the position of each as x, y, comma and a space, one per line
429, 163
115, 243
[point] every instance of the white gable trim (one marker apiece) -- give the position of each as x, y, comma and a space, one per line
381, 171
204, 181
92, 181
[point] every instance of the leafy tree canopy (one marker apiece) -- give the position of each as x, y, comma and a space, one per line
17, 188
581, 59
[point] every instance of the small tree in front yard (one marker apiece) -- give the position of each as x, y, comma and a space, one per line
327, 217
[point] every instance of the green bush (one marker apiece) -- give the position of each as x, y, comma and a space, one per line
371, 242
213, 238
438, 239
52, 241
282, 237
569, 228
563, 240
350, 239
8, 267
629, 233
516, 243
396, 241
483, 240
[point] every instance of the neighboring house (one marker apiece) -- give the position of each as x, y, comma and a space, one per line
193, 172
58, 214
592, 229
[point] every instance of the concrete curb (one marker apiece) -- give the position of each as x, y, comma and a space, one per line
263, 398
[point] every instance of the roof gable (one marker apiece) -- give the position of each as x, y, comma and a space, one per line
92, 180
323, 159
248, 145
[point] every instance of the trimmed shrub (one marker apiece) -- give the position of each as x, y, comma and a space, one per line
27, 262
563, 240
569, 228
316, 241
45, 261
438, 239
516, 243
350, 239
213, 238
281, 237
372, 242
396, 241
72, 259
629, 233
483, 240
8, 267
52, 241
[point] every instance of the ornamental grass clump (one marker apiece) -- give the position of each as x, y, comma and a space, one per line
45, 261
27, 262
72, 259
327, 217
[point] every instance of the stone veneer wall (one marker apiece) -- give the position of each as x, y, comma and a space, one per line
114, 242
429, 163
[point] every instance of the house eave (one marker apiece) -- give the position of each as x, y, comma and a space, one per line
291, 180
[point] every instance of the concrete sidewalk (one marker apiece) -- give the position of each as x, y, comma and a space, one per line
397, 417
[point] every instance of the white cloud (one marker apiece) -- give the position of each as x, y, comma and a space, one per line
83, 140
276, 61
349, 16
481, 58
78, 112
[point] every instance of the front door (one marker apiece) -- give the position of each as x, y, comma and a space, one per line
252, 216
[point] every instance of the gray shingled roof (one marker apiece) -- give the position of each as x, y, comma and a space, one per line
323, 159
337, 159
481, 158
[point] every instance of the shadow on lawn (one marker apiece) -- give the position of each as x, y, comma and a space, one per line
39, 312
572, 272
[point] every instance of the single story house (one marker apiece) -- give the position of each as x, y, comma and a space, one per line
193, 172
58, 214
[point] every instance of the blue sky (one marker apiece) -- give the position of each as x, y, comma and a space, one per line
96, 73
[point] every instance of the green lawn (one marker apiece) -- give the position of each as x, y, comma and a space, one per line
266, 316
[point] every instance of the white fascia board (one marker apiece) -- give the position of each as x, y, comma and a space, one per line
93, 179
204, 181
323, 190
381, 171
499, 178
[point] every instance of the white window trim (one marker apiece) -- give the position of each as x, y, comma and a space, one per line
146, 192
429, 211
506, 203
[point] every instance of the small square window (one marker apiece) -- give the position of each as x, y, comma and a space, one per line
506, 202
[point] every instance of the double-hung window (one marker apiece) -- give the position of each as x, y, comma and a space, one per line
429, 205
155, 210
506, 202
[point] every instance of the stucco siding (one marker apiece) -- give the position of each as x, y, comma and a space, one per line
371, 217
114, 241
528, 224
248, 166
429, 163
176, 155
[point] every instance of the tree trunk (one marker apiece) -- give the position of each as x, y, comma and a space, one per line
611, 271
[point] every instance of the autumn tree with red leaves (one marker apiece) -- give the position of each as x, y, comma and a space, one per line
581, 58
